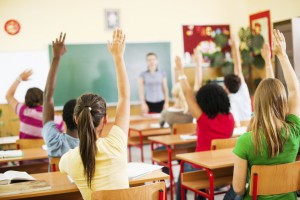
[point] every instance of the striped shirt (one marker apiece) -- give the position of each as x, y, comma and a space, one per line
31, 121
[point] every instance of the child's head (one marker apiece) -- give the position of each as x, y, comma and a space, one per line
232, 83
34, 97
90, 116
271, 109
68, 114
213, 100
178, 95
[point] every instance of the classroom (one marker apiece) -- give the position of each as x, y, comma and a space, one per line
110, 99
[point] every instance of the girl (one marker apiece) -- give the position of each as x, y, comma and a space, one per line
101, 163
274, 136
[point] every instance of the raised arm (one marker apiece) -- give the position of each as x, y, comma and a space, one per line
58, 50
187, 91
10, 95
237, 62
292, 82
266, 54
197, 56
116, 49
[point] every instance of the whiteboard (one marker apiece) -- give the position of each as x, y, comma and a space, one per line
13, 63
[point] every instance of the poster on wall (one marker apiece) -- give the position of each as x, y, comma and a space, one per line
260, 24
112, 18
211, 40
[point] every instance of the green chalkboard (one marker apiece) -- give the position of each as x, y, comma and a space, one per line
90, 68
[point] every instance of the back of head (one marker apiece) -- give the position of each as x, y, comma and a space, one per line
177, 92
88, 112
68, 114
271, 108
34, 97
232, 83
213, 100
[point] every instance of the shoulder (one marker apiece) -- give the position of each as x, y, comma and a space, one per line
241, 148
294, 122
50, 130
144, 73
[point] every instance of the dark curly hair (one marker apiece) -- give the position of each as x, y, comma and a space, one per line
232, 82
34, 97
213, 100
68, 114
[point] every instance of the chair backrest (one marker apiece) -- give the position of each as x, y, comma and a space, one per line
53, 162
223, 143
185, 128
29, 143
274, 179
155, 191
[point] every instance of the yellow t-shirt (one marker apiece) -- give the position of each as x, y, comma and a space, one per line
111, 164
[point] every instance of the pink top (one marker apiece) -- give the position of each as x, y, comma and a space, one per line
31, 121
208, 129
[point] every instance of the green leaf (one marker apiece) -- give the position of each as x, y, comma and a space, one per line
258, 62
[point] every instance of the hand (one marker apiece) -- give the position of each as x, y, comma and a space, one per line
197, 56
166, 105
279, 45
144, 108
266, 52
235, 42
24, 76
58, 47
117, 46
178, 67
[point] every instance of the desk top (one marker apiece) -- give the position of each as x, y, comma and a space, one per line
171, 140
209, 159
28, 154
60, 184
8, 140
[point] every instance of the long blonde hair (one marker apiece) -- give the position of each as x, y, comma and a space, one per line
271, 109
178, 93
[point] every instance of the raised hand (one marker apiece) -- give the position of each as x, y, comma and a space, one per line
235, 42
117, 46
58, 46
24, 76
178, 67
279, 44
197, 56
266, 52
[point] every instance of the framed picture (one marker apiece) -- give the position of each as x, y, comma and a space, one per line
112, 18
211, 40
260, 24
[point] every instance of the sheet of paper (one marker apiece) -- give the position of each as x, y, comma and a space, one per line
136, 170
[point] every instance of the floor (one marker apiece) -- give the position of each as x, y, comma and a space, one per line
147, 158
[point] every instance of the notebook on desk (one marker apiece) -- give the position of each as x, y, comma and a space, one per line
24, 187
11, 154
136, 170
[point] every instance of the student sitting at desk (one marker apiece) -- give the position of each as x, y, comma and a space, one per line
30, 113
236, 87
274, 136
58, 143
211, 109
101, 163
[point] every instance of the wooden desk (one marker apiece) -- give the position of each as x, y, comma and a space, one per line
8, 142
139, 132
209, 161
62, 188
165, 157
28, 154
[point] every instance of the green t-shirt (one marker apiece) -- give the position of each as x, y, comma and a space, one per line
245, 150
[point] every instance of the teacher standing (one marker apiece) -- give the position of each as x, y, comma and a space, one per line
153, 89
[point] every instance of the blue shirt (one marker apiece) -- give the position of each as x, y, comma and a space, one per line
57, 143
153, 85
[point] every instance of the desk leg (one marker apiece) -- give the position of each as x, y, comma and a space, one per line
170, 170
152, 149
211, 184
181, 187
141, 145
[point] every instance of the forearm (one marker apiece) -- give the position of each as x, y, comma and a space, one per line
237, 62
12, 90
289, 75
51, 80
198, 76
142, 93
186, 88
269, 69
122, 79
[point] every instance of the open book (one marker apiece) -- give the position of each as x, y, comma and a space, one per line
25, 187
11, 153
14, 176
135, 170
